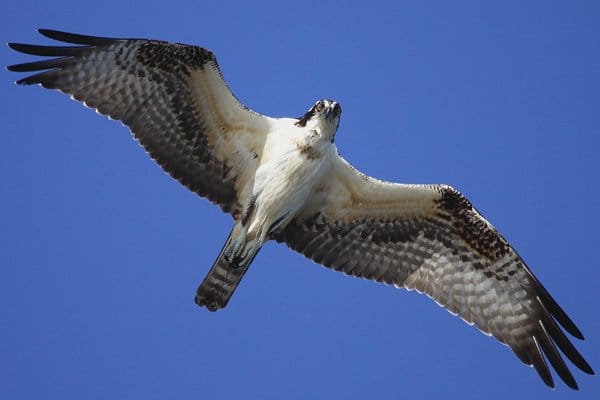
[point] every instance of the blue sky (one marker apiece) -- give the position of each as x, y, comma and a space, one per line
102, 251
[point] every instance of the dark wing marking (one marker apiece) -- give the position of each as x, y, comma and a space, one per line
171, 96
429, 238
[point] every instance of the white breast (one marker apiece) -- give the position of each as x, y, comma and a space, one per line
285, 179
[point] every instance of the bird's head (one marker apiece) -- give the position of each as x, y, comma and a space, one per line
323, 117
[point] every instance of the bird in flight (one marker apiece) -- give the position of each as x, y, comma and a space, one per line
283, 179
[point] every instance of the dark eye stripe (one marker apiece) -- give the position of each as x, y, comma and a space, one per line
337, 109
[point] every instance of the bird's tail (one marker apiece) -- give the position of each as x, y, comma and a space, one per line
228, 270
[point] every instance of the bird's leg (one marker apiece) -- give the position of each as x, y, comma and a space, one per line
241, 247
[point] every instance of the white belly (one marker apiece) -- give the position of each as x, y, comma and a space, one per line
282, 186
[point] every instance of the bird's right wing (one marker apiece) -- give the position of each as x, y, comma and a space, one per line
172, 97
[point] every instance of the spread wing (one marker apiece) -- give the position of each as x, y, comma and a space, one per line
429, 238
172, 97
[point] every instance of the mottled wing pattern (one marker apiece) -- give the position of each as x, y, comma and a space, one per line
429, 238
171, 96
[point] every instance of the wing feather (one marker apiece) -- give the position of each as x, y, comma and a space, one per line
172, 97
431, 239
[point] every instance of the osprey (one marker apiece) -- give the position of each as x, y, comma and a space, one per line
282, 179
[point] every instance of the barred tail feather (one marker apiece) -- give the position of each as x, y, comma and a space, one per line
226, 273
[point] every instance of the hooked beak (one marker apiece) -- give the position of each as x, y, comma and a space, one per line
333, 111
329, 112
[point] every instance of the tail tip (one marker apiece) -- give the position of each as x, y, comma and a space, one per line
211, 306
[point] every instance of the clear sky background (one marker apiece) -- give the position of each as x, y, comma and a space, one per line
101, 251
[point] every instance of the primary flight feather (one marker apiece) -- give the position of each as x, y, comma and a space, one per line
283, 179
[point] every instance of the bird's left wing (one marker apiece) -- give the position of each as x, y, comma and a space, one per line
431, 239
172, 97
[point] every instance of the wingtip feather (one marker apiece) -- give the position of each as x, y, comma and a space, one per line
554, 357
25, 81
50, 33
565, 345
539, 363
75, 38
13, 68
557, 312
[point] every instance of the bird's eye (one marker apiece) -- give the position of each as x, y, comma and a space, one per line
319, 106
337, 110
